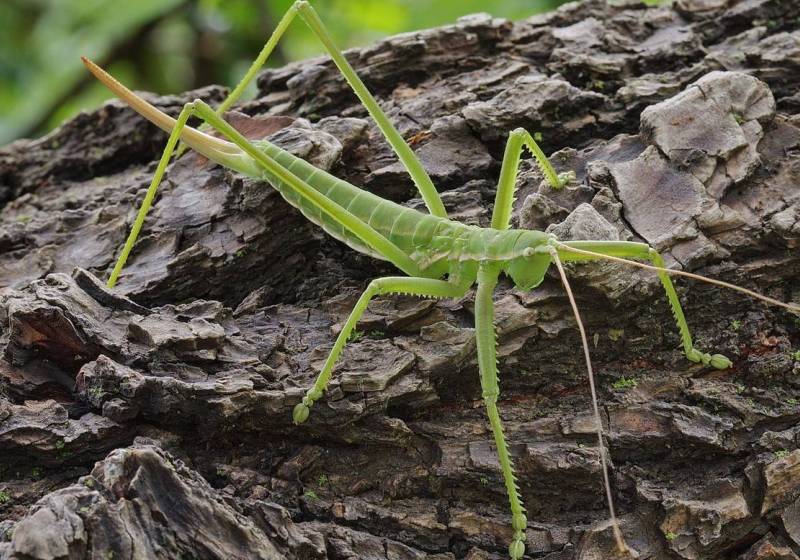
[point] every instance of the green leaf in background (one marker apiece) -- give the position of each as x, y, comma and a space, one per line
175, 45
39, 65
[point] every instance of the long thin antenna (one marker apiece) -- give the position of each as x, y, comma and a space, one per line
621, 546
751, 293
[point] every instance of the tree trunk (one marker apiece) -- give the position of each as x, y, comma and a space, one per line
683, 126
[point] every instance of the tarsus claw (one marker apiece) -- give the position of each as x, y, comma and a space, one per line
565, 178
720, 362
717, 360
516, 550
300, 413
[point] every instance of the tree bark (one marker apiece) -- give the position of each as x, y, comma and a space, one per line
154, 420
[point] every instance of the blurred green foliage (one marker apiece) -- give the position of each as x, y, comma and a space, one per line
176, 45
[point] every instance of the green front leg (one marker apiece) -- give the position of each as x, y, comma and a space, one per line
629, 249
425, 287
504, 200
487, 365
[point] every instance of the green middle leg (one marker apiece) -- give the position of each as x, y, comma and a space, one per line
629, 249
425, 287
487, 365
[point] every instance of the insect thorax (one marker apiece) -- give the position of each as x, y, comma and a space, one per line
465, 247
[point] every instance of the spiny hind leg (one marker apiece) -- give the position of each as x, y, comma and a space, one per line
260, 60
629, 249
251, 73
202, 110
393, 137
425, 287
490, 388
504, 200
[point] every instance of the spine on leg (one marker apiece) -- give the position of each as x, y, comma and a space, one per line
674, 302
487, 364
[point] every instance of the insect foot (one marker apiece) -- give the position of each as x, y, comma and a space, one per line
566, 177
301, 412
517, 547
716, 360
303, 408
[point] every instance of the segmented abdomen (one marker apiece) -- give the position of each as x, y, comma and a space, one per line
426, 239
409, 229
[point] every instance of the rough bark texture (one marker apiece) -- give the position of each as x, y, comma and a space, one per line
683, 125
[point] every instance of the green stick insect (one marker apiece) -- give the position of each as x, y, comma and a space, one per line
441, 258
